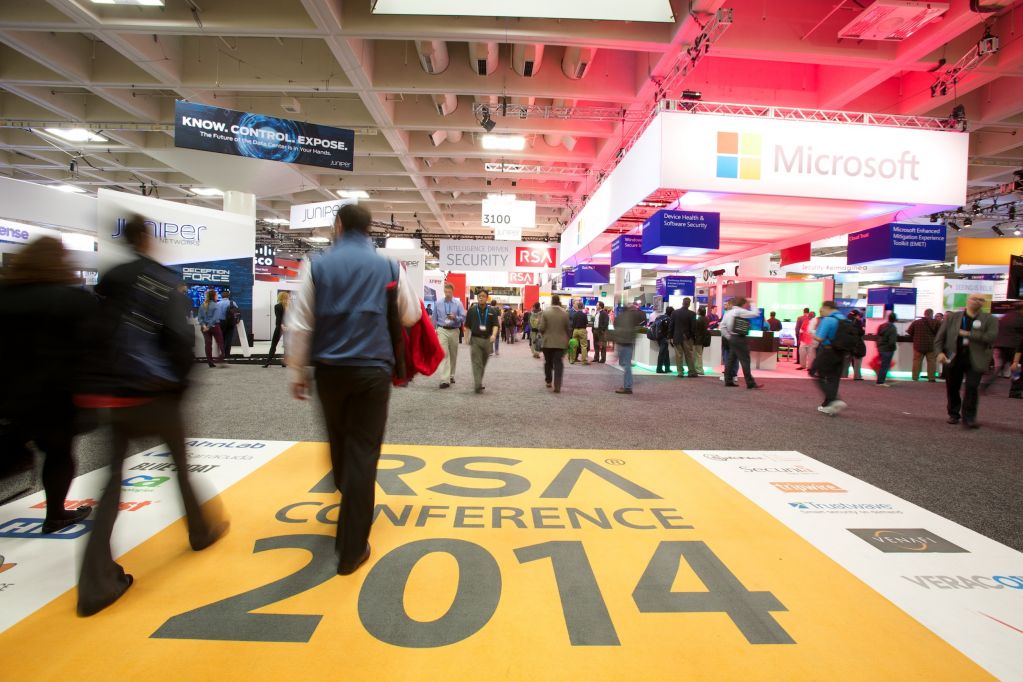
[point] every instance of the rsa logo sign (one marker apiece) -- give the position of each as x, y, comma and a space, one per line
523, 278
536, 257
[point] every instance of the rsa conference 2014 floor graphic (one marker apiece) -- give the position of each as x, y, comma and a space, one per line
523, 564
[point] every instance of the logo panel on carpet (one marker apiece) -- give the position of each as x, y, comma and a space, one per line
506, 564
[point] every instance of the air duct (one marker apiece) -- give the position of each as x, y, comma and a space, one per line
433, 55
438, 136
526, 59
577, 61
483, 58
454, 136
444, 104
552, 140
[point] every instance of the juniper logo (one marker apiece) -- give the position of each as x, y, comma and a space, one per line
739, 155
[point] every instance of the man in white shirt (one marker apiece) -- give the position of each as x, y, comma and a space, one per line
448, 318
738, 347
340, 327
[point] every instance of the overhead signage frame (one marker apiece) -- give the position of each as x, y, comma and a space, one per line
225, 131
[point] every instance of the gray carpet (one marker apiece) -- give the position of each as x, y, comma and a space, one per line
893, 438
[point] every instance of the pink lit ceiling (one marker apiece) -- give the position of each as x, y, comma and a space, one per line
119, 68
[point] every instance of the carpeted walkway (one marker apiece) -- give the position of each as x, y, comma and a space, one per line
894, 438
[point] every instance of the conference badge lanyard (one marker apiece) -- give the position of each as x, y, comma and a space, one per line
482, 318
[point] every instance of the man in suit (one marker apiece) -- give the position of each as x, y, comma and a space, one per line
600, 325
964, 342
555, 328
681, 331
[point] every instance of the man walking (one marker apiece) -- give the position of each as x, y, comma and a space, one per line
353, 360
140, 379
734, 327
627, 325
579, 323
600, 325
923, 330
484, 324
662, 327
829, 358
681, 330
964, 342
229, 315
448, 318
555, 328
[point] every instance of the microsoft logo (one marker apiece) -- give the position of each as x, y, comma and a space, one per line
739, 155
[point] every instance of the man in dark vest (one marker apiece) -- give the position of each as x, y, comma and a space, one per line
339, 326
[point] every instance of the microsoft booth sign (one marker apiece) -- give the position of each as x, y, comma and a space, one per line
464, 255
815, 159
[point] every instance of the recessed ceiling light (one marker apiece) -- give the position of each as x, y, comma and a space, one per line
76, 134
208, 191
318, 240
70, 189
513, 143
353, 194
144, 3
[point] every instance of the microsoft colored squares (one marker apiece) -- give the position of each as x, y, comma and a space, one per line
738, 156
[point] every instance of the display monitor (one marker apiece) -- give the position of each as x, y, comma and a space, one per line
197, 293
905, 311
787, 299
875, 312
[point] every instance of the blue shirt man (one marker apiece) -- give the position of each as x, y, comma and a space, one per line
448, 312
827, 327
829, 361
220, 313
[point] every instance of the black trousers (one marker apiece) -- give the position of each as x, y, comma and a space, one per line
960, 368
600, 345
828, 366
102, 579
553, 365
738, 355
227, 329
663, 356
273, 343
354, 401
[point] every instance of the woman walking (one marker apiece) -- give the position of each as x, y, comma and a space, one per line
211, 329
279, 310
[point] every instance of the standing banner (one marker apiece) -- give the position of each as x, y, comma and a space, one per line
207, 248
414, 261
225, 131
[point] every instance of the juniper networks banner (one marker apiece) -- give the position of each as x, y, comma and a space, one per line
224, 131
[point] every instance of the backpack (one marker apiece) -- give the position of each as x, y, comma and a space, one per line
653, 331
845, 338
234, 314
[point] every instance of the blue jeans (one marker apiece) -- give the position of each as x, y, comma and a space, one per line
886, 362
625, 360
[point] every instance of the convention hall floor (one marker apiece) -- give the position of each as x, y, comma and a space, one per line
895, 439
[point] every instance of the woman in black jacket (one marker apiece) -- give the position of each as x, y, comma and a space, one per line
279, 310
43, 319
887, 342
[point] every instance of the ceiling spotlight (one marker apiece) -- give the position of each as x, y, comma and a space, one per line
952, 224
514, 143
692, 95
967, 222
208, 191
75, 134
997, 230
934, 217
353, 194
487, 122
1016, 232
